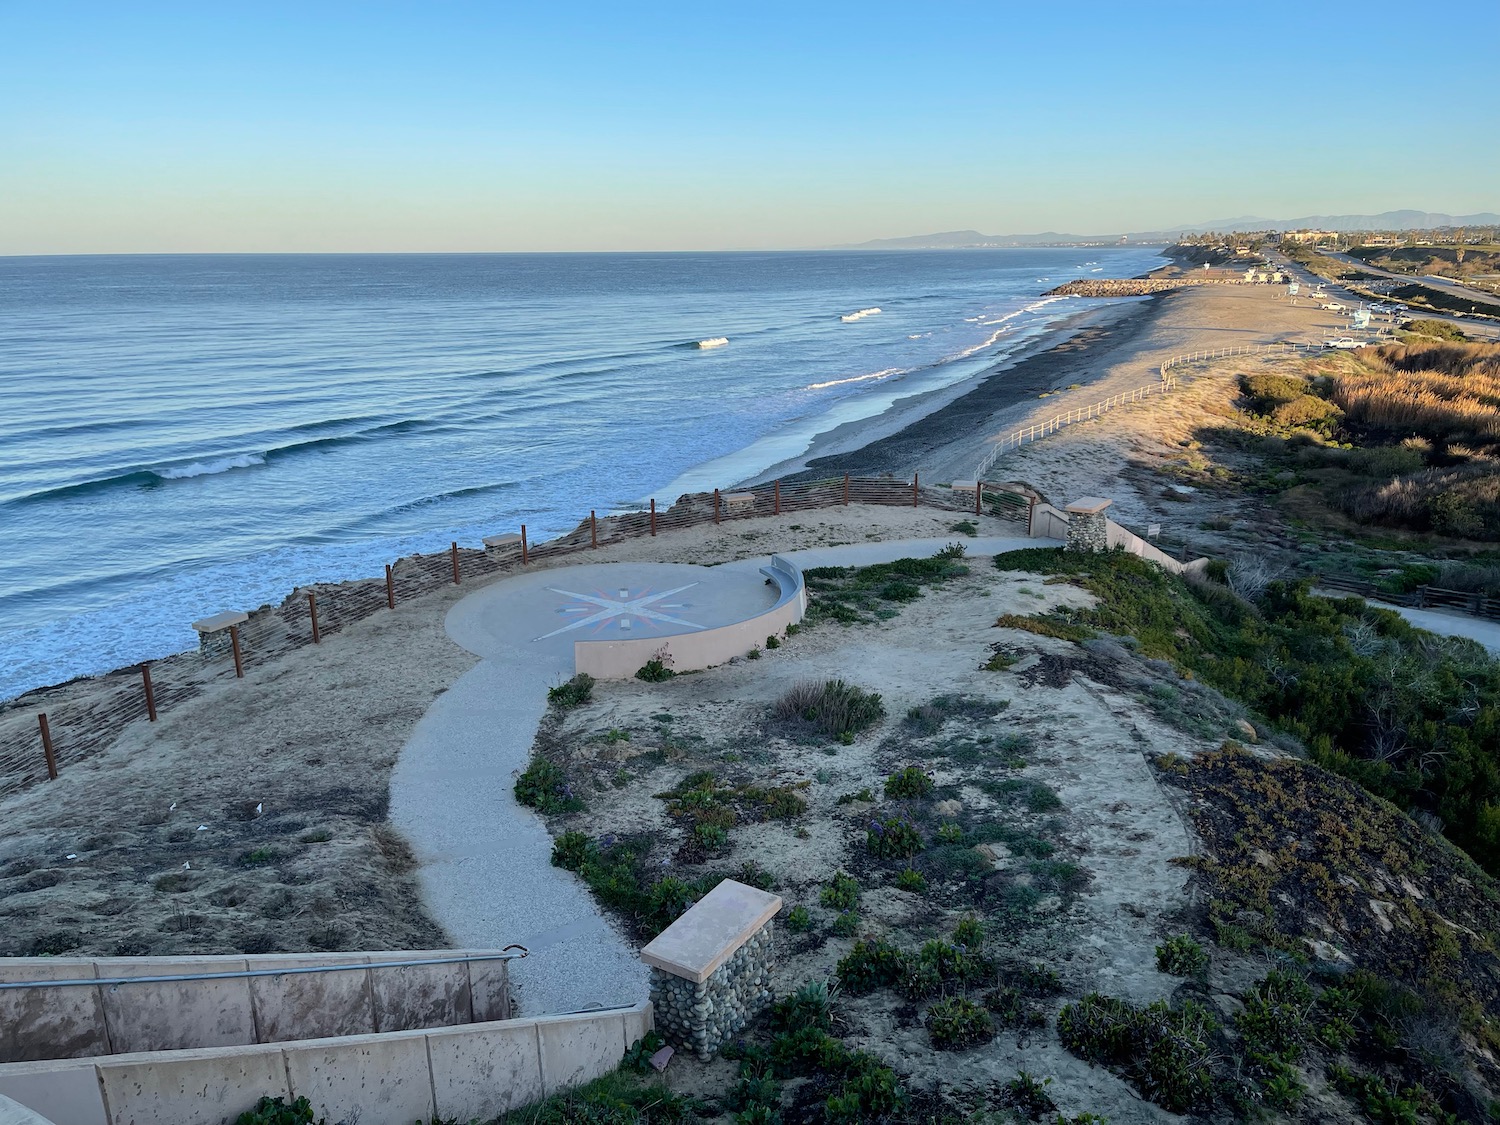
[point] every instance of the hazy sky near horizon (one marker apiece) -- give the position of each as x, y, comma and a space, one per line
155, 127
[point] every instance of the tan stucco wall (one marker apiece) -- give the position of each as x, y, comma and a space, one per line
475, 1072
81, 1021
692, 652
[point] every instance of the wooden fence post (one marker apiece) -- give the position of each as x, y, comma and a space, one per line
846, 490
593, 530
234, 644
716, 505
150, 696
523, 544
914, 478
653, 515
390, 588
778, 498
1030, 512
47, 747
455, 563
979, 497
312, 612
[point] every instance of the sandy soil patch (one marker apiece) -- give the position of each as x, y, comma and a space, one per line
1043, 765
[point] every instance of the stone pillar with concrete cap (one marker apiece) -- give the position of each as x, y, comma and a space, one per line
711, 969
1088, 527
213, 632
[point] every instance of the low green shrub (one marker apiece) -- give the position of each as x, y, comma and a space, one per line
1164, 1052
908, 783
1028, 1095
1181, 956
773, 642
276, 1111
618, 1098
658, 668
618, 876
544, 786
969, 933
870, 965
957, 1023
710, 836
799, 920
573, 693
911, 880
638, 1054
842, 893
893, 837
833, 707
1012, 1008
846, 924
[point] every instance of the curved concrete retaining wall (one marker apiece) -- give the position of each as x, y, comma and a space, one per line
469, 1073
618, 660
82, 1020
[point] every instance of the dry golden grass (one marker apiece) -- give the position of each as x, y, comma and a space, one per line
1443, 391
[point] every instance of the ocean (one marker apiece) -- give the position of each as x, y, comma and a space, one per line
181, 435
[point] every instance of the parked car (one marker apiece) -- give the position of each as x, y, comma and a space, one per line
1348, 343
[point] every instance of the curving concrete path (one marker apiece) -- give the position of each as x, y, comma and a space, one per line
486, 873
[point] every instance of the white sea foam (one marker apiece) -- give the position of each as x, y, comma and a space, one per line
714, 342
211, 468
886, 374
848, 318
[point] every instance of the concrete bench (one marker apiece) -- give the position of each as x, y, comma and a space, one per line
739, 501
499, 542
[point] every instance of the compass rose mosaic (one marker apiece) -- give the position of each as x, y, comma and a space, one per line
624, 612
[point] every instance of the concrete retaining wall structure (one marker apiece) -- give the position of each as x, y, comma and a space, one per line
468, 1073
1048, 522
691, 652
111, 1019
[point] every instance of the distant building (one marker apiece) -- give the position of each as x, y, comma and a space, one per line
1311, 235
1382, 240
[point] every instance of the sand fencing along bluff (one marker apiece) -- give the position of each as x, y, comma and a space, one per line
45, 730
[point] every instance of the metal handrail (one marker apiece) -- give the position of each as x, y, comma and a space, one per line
503, 955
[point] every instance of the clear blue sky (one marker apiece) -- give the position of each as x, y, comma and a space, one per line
548, 126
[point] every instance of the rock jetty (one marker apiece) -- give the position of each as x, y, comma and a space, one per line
1134, 286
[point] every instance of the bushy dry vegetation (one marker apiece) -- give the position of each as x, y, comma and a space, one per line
1405, 435
1449, 392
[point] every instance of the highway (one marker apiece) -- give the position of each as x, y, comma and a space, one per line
1441, 284
1476, 329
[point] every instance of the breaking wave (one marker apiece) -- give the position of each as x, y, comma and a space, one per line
210, 468
849, 318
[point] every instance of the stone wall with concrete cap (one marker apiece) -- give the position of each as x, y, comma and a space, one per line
86, 1020
469, 1073
692, 652
711, 969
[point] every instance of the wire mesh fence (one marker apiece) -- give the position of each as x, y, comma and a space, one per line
80, 724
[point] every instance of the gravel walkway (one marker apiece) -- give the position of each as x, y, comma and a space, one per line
487, 875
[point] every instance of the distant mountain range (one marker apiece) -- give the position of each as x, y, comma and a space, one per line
972, 239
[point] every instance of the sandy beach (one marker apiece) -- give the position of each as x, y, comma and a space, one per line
312, 736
